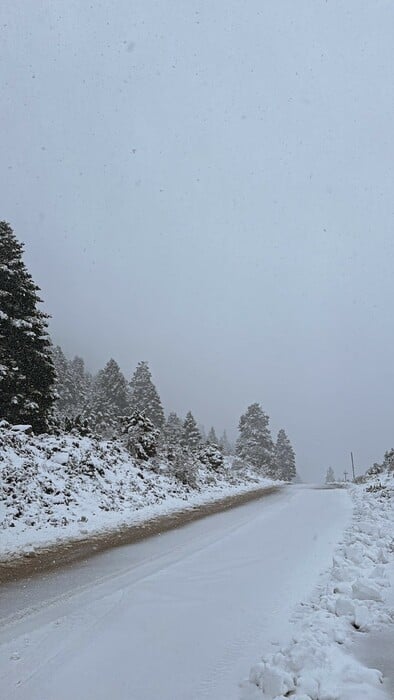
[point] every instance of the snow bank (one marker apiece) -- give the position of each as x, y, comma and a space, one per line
54, 488
318, 664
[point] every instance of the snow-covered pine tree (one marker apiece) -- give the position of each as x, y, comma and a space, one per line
109, 401
212, 438
254, 443
100, 414
73, 387
144, 395
27, 374
284, 458
64, 406
184, 466
140, 436
173, 429
211, 455
191, 435
82, 384
210, 452
388, 461
225, 445
115, 388
330, 476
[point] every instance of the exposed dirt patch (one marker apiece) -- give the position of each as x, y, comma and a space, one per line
61, 555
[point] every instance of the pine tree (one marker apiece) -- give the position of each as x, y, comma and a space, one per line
254, 443
284, 458
109, 400
140, 436
191, 434
115, 388
330, 476
184, 466
27, 373
144, 395
63, 383
211, 455
100, 413
212, 438
225, 445
73, 387
202, 431
82, 384
388, 461
173, 429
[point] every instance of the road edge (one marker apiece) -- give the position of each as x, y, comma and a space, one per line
58, 555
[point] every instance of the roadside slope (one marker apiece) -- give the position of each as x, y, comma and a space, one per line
54, 489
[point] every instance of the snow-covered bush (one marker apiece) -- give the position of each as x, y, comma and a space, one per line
183, 466
211, 455
141, 437
77, 426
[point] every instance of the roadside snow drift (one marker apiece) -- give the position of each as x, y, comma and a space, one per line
318, 664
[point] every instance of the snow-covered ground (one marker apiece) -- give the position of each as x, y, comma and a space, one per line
175, 617
181, 616
348, 625
56, 488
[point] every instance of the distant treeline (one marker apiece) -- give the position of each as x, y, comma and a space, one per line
39, 386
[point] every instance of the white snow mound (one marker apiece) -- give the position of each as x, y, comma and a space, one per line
318, 663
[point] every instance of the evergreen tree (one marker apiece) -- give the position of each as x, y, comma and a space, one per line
140, 436
225, 444
254, 443
330, 476
63, 384
27, 373
212, 437
144, 396
210, 455
184, 466
115, 388
173, 429
67, 389
73, 386
109, 400
100, 413
284, 458
82, 384
191, 434
388, 461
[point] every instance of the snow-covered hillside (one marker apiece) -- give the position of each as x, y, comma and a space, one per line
56, 487
355, 597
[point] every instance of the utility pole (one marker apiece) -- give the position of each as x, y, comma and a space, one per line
354, 475
345, 475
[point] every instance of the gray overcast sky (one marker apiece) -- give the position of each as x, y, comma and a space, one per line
208, 185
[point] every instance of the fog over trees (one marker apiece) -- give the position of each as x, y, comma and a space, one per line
39, 385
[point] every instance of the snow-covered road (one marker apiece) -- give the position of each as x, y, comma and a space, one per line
177, 617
